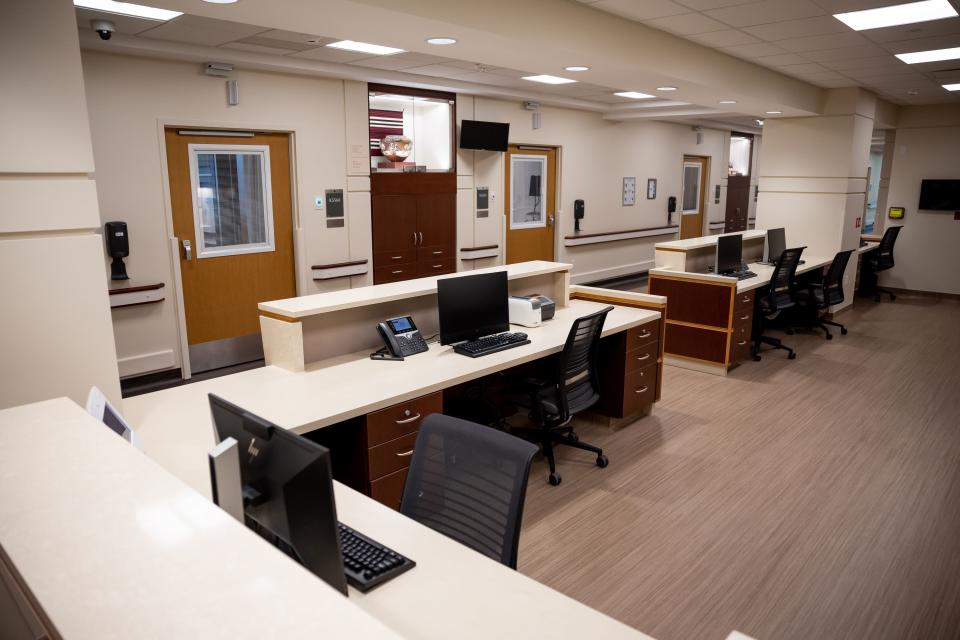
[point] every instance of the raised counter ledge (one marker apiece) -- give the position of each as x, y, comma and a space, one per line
320, 303
704, 242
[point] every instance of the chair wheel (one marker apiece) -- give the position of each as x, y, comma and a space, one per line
843, 331
574, 437
756, 358
602, 461
792, 356
876, 298
829, 336
892, 297
554, 479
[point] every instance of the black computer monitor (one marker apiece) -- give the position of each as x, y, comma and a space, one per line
473, 306
776, 243
729, 249
287, 490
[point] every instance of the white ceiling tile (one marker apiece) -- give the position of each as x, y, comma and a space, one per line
828, 75
257, 48
845, 53
328, 54
781, 60
933, 28
125, 24
922, 44
438, 70
687, 24
704, 5
397, 62
295, 36
807, 68
205, 31
725, 38
815, 43
278, 44
843, 6
746, 15
643, 10
754, 50
882, 63
797, 28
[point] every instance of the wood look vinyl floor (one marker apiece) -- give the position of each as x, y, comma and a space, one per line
815, 498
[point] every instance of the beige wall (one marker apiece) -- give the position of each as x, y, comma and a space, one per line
131, 98
926, 254
56, 331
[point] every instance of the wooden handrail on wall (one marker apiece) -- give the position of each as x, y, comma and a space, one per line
339, 269
580, 239
478, 253
132, 296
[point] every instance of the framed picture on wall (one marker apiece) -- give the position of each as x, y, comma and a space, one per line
651, 188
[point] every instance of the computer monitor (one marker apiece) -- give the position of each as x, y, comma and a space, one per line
729, 249
287, 490
776, 244
473, 306
100, 408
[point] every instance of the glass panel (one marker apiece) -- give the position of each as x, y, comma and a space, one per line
739, 163
233, 210
528, 188
424, 122
691, 187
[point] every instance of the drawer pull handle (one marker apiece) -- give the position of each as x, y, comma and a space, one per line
399, 271
744, 317
408, 420
645, 356
645, 334
405, 454
642, 389
436, 253
438, 266
741, 343
396, 257
745, 299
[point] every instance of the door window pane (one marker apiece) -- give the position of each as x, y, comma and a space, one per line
691, 187
739, 163
232, 202
528, 189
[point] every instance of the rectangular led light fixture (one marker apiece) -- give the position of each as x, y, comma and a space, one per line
952, 87
636, 95
897, 14
128, 9
365, 47
548, 79
935, 55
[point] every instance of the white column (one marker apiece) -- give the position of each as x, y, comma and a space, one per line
56, 335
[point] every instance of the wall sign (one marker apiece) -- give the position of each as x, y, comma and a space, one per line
629, 191
716, 195
896, 213
651, 188
334, 199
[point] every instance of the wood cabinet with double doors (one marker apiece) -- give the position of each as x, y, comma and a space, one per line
414, 225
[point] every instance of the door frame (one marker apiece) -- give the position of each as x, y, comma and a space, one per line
505, 206
173, 246
704, 181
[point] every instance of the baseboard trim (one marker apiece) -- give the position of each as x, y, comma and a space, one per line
922, 294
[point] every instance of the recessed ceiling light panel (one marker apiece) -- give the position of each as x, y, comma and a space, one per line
127, 9
667, 88
220, 1
441, 41
952, 87
545, 79
635, 95
774, 113
934, 55
577, 68
897, 14
365, 47
727, 102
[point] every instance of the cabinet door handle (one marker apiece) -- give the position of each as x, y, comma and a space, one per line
745, 299
741, 343
438, 266
396, 257
398, 271
642, 389
408, 420
744, 317
645, 356
645, 334
436, 253
414, 238
405, 454
421, 237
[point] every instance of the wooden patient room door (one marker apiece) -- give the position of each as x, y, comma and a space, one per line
693, 202
232, 219
530, 203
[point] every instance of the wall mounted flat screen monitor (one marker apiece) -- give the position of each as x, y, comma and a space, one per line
490, 136
776, 244
287, 487
473, 306
940, 195
728, 253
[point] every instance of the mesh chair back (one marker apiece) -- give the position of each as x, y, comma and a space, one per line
780, 292
468, 482
578, 384
884, 259
833, 282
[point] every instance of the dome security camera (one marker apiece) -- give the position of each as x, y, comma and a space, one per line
104, 28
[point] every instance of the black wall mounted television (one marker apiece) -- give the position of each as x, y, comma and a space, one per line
940, 195
489, 136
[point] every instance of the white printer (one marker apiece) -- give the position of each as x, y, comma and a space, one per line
532, 310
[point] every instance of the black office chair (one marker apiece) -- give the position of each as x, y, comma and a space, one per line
882, 259
775, 298
818, 296
574, 387
468, 482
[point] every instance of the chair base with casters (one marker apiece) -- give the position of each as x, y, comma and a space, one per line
561, 434
881, 290
776, 343
820, 295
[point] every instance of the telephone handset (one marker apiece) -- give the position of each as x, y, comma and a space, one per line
401, 338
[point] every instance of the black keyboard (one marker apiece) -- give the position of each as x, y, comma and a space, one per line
491, 344
368, 563
739, 275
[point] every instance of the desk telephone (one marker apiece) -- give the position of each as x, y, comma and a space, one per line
401, 338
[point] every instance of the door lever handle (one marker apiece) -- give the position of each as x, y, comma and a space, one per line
187, 251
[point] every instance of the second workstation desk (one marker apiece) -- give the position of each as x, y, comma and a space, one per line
710, 317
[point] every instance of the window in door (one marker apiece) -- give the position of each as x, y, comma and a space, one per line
232, 203
528, 190
691, 187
